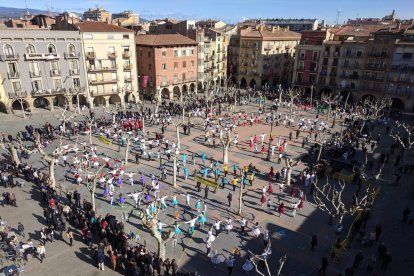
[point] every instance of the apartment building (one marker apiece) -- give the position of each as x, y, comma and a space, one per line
210, 24
266, 56
110, 62
97, 15
167, 65
41, 69
296, 25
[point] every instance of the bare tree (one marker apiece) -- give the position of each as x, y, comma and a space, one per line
225, 141
262, 258
293, 94
177, 131
407, 139
330, 199
161, 238
330, 99
10, 147
289, 166
372, 109
89, 123
92, 184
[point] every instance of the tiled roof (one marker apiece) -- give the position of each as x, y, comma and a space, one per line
164, 40
276, 34
359, 30
94, 26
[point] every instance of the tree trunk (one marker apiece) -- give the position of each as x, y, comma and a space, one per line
177, 129
127, 151
225, 154
319, 152
291, 106
381, 167
329, 113
160, 242
93, 196
52, 174
288, 176
13, 154
175, 172
241, 197
90, 134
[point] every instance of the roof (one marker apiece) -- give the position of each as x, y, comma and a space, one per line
164, 40
95, 26
266, 34
359, 30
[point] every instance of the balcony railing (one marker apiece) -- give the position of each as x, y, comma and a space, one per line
96, 82
14, 75
49, 92
102, 69
378, 55
45, 56
55, 72
402, 68
112, 55
106, 92
9, 57
128, 78
126, 54
127, 67
90, 55
380, 67
74, 72
35, 74
164, 83
18, 94
69, 55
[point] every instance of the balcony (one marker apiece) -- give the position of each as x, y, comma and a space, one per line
18, 94
48, 56
9, 57
127, 67
74, 72
373, 78
404, 68
128, 78
55, 73
337, 54
70, 55
164, 83
112, 55
102, 69
354, 77
380, 67
126, 54
106, 92
323, 73
333, 74
326, 54
105, 81
49, 92
90, 55
378, 55
35, 74
13, 75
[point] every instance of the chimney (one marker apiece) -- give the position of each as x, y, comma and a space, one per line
399, 25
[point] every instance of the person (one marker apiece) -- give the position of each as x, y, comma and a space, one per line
371, 263
386, 260
69, 235
314, 242
208, 246
256, 230
41, 252
113, 259
281, 209
324, 265
230, 264
358, 259
265, 238
247, 266
229, 198
20, 229
215, 259
100, 257
206, 190
216, 226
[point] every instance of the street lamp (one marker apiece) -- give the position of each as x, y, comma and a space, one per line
270, 137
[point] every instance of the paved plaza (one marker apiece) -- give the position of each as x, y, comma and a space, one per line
290, 235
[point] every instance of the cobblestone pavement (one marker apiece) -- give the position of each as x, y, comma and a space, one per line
289, 235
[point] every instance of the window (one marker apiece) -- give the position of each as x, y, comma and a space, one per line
34, 68
184, 64
88, 36
31, 49
184, 53
149, 66
111, 50
54, 65
76, 82
175, 78
114, 77
164, 66
8, 50
192, 63
175, 65
183, 76
164, 53
89, 50
407, 55
13, 72
37, 85
125, 36
164, 79
72, 50
57, 83
17, 87
114, 87
51, 49
191, 52
149, 53
315, 55
175, 53
73, 64
110, 36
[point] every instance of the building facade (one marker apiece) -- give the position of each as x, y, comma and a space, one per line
296, 25
167, 65
266, 56
41, 69
97, 15
110, 63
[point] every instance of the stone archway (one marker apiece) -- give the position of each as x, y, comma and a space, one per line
200, 87
82, 100
397, 104
176, 92
325, 91
243, 83
192, 88
347, 94
129, 98
3, 107
233, 80
99, 101
212, 83
41, 102
114, 99
185, 90
165, 93
252, 83
20, 104
60, 100
222, 82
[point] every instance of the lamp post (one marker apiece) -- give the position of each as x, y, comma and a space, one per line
311, 99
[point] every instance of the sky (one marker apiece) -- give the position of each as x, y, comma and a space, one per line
232, 11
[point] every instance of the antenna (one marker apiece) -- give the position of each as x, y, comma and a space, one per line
338, 13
